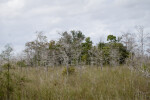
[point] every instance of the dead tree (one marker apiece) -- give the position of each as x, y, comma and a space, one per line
114, 56
129, 40
37, 50
136, 44
141, 39
20, 60
96, 55
148, 49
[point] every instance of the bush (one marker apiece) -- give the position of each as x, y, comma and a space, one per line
16, 84
5, 66
146, 68
71, 70
21, 63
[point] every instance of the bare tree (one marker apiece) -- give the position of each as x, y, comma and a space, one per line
37, 50
20, 59
141, 39
96, 55
114, 56
148, 49
136, 45
130, 42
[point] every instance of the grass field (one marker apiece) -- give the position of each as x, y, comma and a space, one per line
87, 83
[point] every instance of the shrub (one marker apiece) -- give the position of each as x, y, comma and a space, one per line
71, 70
16, 84
21, 63
5, 66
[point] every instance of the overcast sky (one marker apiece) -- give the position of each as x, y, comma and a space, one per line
19, 19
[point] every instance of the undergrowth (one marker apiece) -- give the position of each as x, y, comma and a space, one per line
89, 83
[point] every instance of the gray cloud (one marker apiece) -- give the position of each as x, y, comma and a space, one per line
19, 19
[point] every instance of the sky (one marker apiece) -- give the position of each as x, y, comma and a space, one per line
20, 19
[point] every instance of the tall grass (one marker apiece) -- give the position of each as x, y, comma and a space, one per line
88, 83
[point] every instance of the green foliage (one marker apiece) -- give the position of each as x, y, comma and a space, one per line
84, 57
88, 43
146, 68
71, 70
21, 63
78, 50
77, 36
16, 84
111, 38
52, 45
5, 66
101, 45
86, 46
106, 53
114, 44
123, 53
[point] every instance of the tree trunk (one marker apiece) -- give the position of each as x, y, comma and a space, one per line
67, 69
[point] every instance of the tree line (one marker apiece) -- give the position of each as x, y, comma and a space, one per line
75, 49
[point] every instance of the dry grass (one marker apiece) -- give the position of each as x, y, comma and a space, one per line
88, 83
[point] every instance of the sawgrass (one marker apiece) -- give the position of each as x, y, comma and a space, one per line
86, 83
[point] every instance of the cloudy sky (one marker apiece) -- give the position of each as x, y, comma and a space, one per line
19, 19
